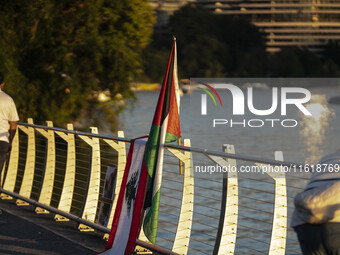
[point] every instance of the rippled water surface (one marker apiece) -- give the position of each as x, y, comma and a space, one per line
314, 137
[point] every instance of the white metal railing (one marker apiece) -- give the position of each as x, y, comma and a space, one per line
63, 171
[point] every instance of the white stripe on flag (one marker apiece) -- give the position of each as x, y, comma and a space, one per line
125, 219
159, 166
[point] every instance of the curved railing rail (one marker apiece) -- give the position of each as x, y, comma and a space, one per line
63, 171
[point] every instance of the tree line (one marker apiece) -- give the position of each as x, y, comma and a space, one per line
56, 54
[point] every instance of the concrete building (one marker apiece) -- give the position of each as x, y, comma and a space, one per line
302, 23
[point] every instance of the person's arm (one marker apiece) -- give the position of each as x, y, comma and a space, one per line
12, 131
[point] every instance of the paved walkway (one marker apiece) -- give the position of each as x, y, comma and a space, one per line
24, 232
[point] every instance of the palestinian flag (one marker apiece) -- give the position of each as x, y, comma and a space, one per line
165, 128
127, 218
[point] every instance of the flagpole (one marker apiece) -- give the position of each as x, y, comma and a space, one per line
179, 140
180, 161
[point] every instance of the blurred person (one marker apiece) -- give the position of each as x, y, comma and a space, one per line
316, 218
8, 124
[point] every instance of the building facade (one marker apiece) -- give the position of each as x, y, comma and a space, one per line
286, 23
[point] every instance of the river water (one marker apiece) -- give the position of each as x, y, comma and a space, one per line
313, 137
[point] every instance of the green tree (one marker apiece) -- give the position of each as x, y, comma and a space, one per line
55, 54
210, 45
332, 52
312, 64
201, 58
285, 63
200, 52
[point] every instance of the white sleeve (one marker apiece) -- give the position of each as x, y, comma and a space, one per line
13, 114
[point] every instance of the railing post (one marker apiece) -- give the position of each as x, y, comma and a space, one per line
92, 197
66, 197
279, 230
49, 171
121, 150
27, 180
12, 170
227, 228
182, 238
3, 173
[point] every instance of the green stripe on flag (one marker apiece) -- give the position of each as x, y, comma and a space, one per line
151, 218
170, 138
151, 150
